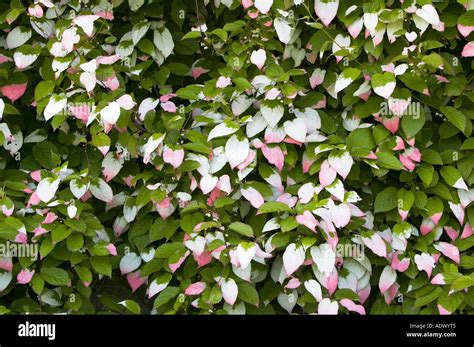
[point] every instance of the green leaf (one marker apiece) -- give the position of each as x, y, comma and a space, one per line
101, 265
433, 59
168, 249
431, 156
43, 89
273, 206
426, 299
413, 82
191, 35
46, 154
451, 175
37, 283
360, 138
60, 233
388, 161
451, 302
413, 123
242, 228
462, 283
75, 242
455, 116
166, 295
100, 140
468, 144
223, 201
135, 4
425, 172
55, 276
84, 274
248, 293
131, 306
351, 73
288, 224
380, 80
467, 18
406, 199
386, 200
434, 205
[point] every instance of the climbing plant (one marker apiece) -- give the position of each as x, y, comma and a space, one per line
227, 157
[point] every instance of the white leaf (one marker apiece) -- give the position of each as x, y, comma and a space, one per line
296, 129
272, 115
17, 37
288, 301
37, 135
45, 27
138, 31
240, 104
86, 23
340, 215
88, 80
24, 60
386, 90
337, 189
151, 145
111, 112
324, 257
236, 150
411, 36
90, 66
5, 279
314, 288
101, 190
147, 256
78, 189
326, 10
197, 245
245, 253
371, 20
111, 166
55, 105
263, 5
221, 129
429, 14
460, 184
311, 119
258, 58
129, 263
129, 212
342, 163
71, 211
256, 125
283, 29
243, 273
147, 105
158, 285
238, 309
229, 291
387, 278
293, 258
341, 83
254, 196
2, 108
317, 77
327, 307
208, 183
164, 42
47, 188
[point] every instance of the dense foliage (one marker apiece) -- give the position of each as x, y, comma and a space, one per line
266, 156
